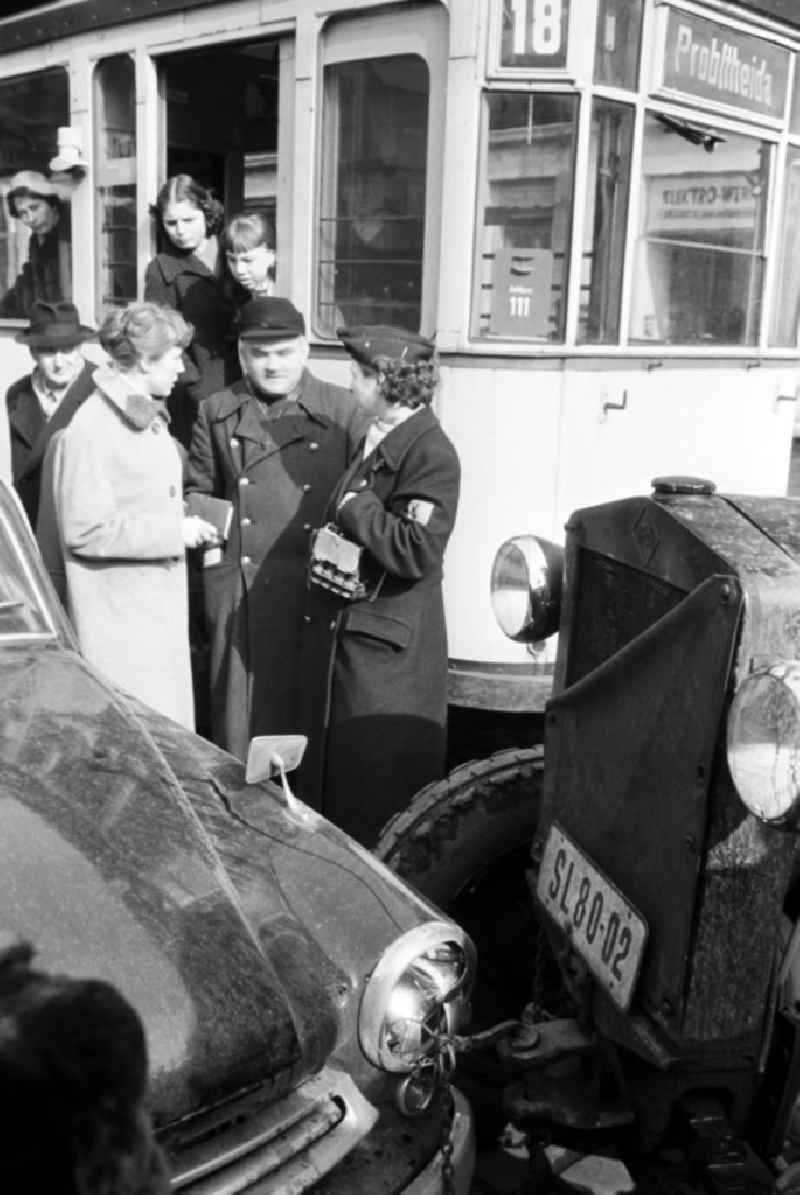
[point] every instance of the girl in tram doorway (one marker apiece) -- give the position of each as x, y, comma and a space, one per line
46, 276
189, 275
385, 652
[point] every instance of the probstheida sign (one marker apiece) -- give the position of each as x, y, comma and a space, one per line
710, 61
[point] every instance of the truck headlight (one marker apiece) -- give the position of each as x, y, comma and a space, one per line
418, 989
763, 744
526, 587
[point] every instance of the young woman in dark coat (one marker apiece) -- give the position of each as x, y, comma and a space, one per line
377, 667
190, 276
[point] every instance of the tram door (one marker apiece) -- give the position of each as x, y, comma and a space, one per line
221, 123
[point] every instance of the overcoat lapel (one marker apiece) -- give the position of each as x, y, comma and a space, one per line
27, 420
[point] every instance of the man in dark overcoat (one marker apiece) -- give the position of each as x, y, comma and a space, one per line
43, 402
375, 669
272, 445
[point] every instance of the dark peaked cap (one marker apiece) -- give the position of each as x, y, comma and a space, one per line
269, 319
369, 343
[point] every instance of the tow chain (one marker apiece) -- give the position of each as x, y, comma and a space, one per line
434, 1076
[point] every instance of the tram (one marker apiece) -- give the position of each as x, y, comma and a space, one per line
594, 205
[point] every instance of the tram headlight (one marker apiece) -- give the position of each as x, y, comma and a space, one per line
419, 988
763, 743
526, 587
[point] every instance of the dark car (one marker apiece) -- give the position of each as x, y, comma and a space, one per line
288, 982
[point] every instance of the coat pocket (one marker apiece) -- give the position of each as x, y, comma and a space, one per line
382, 627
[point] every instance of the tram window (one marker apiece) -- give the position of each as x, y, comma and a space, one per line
372, 201
604, 226
35, 236
699, 266
115, 181
616, 52
786, 319
525, 213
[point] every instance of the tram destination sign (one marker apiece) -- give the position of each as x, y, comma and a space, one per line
710, 61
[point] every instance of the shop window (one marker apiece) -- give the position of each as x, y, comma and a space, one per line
115, 181
617, 43
371, 227
786, 319
525, 214
605, 222
699, 265
35, 235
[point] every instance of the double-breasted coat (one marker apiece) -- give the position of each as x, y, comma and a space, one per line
208, 301
31, 431
277, 464
116, 487
375, 670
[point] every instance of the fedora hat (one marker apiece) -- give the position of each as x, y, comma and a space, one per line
54, 326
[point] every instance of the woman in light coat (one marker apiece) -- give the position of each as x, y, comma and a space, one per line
116, 477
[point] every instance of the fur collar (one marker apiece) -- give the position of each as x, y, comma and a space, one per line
138, 409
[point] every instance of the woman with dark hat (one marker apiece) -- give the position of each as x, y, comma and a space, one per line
47, 274
43, 402
381, 661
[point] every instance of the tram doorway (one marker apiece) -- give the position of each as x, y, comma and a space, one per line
220, 123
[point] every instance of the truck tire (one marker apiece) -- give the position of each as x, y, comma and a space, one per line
464, 842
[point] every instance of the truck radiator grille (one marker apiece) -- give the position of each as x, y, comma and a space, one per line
615, 603
284, 1147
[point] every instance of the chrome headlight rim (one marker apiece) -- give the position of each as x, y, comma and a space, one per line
525, 587
413, 947
763, 743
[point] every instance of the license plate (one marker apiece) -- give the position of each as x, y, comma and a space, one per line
603, 927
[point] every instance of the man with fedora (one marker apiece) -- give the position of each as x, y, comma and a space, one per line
273, 445
44, 401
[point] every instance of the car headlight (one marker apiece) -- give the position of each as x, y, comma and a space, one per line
763, 743
418, 989
526, 587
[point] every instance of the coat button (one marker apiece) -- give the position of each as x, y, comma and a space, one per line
172, 491
244, 481
246, 560
234, 442
306, 618
362, 485
246, 522
313, 446
332, 626
306, 526
306, 488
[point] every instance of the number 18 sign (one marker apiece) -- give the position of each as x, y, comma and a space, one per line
534, 33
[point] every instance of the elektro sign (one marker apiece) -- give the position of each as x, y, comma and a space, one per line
709, 61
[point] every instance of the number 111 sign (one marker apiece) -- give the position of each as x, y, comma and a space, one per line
534, 33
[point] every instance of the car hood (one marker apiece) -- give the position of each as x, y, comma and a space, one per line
107, 870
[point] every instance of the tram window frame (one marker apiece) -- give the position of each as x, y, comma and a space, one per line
716, 251
18, 261
355, 39
533, 263
115, 187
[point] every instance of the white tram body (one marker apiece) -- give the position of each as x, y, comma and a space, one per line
594, 204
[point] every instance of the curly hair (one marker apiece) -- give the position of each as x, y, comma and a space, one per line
130, 334
246, 231
182, 188
73, 1079
409, 385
